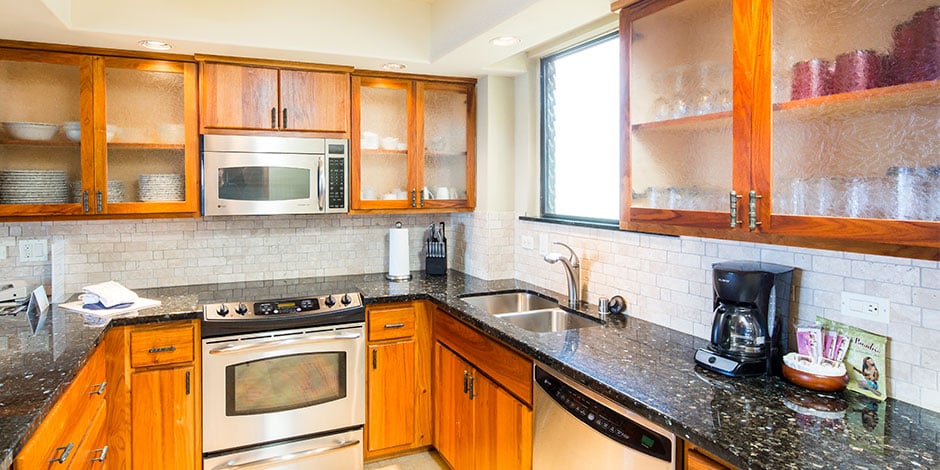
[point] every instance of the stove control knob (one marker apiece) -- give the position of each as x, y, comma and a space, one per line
241, 309
330, 301
346, 300
222, 310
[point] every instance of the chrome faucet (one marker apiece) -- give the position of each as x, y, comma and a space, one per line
573, 269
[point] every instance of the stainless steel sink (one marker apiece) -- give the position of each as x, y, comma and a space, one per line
509, 302
548, 320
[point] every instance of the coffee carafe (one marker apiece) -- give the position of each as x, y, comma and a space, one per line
751, 302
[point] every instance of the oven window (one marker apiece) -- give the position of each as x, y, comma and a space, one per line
259, 183
284, 383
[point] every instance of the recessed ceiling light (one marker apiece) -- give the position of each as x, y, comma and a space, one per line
155, 45
393, 66
505, 41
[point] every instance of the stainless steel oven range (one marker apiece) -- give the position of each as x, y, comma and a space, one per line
284, 383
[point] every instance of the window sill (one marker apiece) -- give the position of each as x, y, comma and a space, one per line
612, 226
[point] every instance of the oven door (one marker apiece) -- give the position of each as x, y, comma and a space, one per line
263, 183
264, 387
342, 451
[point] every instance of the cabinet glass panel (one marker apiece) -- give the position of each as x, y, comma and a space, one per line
384, 143
445, 144
856, 119
680, 107
145, 135
40, 148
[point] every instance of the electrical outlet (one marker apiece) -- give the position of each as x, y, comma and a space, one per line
543, 244
865, 307
527, 242
33, 250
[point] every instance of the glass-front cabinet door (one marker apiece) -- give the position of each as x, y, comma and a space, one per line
45, 147
677, 95
382, 137
447, 108
149, 127
855, 148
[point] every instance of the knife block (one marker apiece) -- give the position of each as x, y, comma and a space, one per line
435, 261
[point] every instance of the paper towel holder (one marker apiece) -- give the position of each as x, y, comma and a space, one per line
396, 277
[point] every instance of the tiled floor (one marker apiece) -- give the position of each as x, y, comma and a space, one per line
421, 461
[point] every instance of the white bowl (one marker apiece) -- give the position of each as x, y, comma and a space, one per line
71, 125
75, 135
30, 130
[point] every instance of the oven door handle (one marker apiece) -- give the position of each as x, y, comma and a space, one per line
271, 344
293, 456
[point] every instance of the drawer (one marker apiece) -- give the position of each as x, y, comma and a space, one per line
391, 322
155, 346
93, 451
55, 443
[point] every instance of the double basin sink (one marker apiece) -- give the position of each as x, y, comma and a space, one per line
529, 311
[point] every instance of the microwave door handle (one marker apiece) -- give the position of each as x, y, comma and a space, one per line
271, 344
321, 176
292, 457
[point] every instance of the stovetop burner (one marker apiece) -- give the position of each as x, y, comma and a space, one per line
219, 319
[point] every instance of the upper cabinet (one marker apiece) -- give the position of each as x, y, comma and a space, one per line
807, 123
274, 98
413, 143
97, 136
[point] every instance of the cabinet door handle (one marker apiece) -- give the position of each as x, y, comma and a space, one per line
466, 381
98, 201
472, 379
273, 118
85, 201
734, 209
284, 121
162, 349
102, 454
394, 325
187, 383
414, 198
422, 198
375, 360
99, 388
752, 210
66, 450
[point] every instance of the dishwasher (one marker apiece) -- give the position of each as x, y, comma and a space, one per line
577, 428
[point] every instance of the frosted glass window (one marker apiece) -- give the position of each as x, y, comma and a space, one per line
580, 131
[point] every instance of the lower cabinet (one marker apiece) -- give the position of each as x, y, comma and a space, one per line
483, 414
164, 396
698, 459
398, 378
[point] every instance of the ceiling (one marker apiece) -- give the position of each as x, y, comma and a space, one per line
444, 37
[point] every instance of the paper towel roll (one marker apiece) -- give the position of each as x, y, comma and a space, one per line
398, 254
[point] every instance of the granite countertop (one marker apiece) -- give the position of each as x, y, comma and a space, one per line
762, 423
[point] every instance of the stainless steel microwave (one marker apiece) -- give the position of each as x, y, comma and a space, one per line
264, 175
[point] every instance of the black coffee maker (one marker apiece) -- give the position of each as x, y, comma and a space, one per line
752, 307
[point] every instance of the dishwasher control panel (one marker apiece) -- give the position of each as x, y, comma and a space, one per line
603, 419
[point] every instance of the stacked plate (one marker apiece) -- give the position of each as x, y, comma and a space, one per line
33, 187
160, 187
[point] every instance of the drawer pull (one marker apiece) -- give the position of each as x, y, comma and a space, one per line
102, 454
66, 450
162, 349
99, 388
394, 325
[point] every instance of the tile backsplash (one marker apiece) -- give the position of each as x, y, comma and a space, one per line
665, 280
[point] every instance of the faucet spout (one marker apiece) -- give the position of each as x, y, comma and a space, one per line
573, 271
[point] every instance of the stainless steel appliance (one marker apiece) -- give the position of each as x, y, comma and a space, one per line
264, 175
284, 383
577, 428
752, 308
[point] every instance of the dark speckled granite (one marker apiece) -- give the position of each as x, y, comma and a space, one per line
762, 423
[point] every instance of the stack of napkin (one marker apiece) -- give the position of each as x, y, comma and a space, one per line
107, 295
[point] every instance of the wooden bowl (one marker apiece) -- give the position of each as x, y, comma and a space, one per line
820, 383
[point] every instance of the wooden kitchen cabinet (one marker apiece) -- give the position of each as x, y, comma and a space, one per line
723, 140
413, 143
698, 459
483, 396
70, 435
134, 147
164, 395
271, 96
398, 378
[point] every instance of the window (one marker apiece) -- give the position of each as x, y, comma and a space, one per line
581, 131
